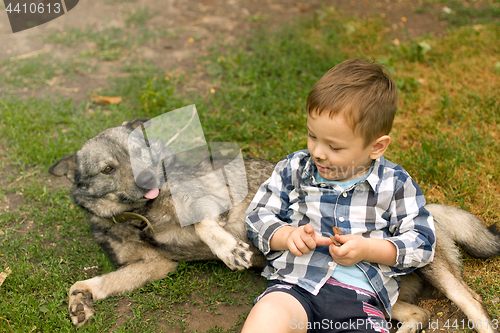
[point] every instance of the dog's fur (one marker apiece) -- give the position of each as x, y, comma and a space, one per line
142, 255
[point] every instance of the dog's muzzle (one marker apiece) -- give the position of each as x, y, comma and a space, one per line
148, 180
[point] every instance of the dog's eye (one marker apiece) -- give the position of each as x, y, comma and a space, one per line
108, 170
138, 152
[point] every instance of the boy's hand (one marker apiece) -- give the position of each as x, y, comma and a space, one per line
302, 239
356, 248
351, 252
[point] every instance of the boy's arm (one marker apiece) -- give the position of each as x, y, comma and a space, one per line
267, 215
267, 211
411, 246
355, 249
412, 227
298, 241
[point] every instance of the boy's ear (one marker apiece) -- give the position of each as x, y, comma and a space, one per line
380, 146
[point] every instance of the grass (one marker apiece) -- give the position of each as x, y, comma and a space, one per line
464, 13
39, 71
112, 43
445, 135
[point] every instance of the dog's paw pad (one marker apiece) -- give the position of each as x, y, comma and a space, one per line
241, 256
80, 307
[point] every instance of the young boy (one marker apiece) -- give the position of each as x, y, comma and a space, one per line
341, 180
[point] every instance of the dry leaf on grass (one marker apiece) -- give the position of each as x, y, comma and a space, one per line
104, 99
3, 275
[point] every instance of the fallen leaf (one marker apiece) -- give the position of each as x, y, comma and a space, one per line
104, 99
3, 275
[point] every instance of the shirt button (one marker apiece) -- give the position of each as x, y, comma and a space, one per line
322, 185
344, 194
341, 219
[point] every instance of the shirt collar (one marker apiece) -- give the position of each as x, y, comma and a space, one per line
309, 168
374, 179
376, 176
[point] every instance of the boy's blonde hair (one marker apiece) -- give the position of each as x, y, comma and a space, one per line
361, 91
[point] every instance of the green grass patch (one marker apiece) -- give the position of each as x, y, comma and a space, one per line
139, 17
38, 71
111, 43
463, 13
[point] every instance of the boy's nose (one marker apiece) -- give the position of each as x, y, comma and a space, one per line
318, 153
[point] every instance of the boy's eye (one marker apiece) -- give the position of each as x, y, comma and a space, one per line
335, 149
311, 136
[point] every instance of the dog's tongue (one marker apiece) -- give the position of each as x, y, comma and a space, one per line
152, 194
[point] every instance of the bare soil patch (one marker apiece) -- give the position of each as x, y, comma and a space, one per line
192, 25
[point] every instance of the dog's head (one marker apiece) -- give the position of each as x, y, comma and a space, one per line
103, 176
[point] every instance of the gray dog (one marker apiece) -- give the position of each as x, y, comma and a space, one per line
139, 229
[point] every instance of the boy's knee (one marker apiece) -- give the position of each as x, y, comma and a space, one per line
276, 312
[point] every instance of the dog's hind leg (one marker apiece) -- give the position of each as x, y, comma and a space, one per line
126, 278
138, 262
233, 252
448, 280
411, 317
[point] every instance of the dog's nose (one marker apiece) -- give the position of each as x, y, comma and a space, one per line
147, 180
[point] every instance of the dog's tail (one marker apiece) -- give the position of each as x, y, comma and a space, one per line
467, 230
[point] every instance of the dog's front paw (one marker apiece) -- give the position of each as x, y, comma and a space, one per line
239, 257
80, 306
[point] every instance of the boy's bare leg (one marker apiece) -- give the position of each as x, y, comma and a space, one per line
276, 312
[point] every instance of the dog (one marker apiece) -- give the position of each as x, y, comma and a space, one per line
139, 229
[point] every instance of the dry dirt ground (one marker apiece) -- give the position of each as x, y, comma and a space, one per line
196, 24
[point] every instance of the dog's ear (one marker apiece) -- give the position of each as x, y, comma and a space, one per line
66, 166
133, 124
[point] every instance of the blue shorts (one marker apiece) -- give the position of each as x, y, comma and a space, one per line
337, 308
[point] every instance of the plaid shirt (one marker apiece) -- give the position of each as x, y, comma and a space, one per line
388, 204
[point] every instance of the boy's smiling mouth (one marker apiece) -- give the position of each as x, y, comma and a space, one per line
322, 168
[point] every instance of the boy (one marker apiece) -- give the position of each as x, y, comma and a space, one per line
341, 180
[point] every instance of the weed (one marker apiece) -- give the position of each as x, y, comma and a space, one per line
139, 17
445, 101
257, 18
415, 51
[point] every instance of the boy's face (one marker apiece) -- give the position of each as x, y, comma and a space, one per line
338, 153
